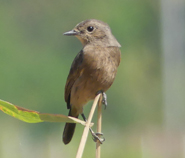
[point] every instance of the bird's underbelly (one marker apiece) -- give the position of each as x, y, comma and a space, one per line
86, 87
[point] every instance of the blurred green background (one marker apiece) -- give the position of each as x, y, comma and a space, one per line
35, 59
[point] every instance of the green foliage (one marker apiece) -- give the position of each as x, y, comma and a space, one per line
31, 116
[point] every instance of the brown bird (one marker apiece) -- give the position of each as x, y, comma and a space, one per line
93, 69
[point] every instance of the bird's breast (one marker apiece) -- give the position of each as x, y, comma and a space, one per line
101, 69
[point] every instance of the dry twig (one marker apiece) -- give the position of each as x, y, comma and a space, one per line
86, 129
98, 151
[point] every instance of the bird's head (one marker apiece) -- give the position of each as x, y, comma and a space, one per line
94, 32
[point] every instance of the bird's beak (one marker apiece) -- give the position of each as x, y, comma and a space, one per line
71, 33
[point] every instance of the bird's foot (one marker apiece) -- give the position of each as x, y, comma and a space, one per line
104, 98
97, 137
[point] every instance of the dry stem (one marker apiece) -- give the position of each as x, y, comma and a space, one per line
86, 129
98, 151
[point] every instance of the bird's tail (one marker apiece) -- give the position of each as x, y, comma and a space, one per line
69, 130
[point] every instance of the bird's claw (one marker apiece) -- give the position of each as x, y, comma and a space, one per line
104, 98
97, 137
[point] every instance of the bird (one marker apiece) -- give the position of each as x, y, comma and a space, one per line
93, 69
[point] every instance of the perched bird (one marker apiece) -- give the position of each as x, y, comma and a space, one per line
93, 69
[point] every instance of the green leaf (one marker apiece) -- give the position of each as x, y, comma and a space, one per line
31, 116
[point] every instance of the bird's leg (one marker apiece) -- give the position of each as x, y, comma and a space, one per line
104, 98
94, 135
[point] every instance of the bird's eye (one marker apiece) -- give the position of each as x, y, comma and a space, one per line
90, 28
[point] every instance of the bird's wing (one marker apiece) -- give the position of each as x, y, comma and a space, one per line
75, 71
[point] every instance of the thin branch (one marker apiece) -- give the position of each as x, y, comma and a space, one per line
98, 151
86, 129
